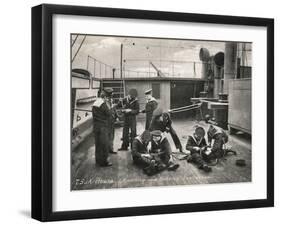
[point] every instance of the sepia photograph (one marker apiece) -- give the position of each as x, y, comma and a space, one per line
142, 112
149, 112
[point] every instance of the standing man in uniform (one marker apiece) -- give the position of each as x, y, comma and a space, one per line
111, 122
131, 108
150, 106
162, 121
101, 115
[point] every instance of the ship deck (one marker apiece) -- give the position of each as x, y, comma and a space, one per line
123, 174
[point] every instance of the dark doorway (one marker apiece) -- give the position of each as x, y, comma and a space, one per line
181, 92
156, 90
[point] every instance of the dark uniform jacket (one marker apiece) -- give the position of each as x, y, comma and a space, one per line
132, 104
101, 113
161, 150
192, 143
138, 148
197, 156
217, 133
113, 114
217, 137
162, 146
150, 106
165, 126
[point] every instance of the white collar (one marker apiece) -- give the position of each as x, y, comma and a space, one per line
132, 100
162, 138
139, 139
195, 140
99, 101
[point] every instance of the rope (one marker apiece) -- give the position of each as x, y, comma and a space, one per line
186, 108
79, 48
74, 40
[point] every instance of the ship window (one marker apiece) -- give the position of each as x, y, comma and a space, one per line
156, 90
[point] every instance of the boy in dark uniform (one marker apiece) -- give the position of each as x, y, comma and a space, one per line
101, 116
111, 129
150, 106
197, 146
131, 108
140, 149
152, 152
162, 121
217, 137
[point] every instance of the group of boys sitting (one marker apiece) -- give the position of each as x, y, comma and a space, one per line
152, 152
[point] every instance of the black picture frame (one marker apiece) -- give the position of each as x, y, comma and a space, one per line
42, 108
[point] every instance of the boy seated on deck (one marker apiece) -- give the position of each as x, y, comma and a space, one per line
155, 158
199, 151
140, 149
217, 139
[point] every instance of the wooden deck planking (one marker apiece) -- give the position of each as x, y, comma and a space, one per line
123, 174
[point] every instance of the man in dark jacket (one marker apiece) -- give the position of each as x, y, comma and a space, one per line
101, 116
131, 108
162, 121
197, 146
150, 106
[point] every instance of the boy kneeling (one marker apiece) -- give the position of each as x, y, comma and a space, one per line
197, 146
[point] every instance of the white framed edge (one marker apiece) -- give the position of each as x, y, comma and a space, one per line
66, 200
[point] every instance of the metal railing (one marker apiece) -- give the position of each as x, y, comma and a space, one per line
169, 68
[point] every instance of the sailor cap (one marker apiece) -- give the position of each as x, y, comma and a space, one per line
149, 91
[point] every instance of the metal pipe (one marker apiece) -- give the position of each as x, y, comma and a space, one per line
230, 66
94, 67
80, 109
88, 63
121, 61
